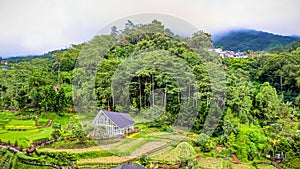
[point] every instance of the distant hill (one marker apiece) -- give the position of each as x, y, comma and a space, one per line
16, 59
244, 40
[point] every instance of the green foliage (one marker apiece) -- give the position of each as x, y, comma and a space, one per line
131, 148
66, 144
144, 160
94, 154
149, 59
249, 143
203, 141
169, 129
267, 103
25, 131
6, 158
57, 131
185, 152
281, 71
80, 134
232, 143
65, 156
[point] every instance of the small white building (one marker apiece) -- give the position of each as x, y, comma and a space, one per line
229, 54
110, 124
4, 62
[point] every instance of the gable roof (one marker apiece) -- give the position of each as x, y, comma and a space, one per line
130, 166
119, 119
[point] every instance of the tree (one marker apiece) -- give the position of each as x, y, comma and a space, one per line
114, 32
249, 142
204, 142
57, 131
267, 103
231, 143
80, 134
280, 70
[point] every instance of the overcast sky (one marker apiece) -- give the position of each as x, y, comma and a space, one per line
38, 26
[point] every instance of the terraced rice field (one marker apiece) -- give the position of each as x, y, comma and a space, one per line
24, 131
248, 166
127, 143
210, 163
24, 137
96, 148
105, 160
80, 150
147, 148
265, 166
168, 154
5, 159
240, 166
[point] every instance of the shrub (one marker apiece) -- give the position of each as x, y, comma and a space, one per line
80, 134
16, 143
57, 132
185, 152
167, 129
144, 160
94, 154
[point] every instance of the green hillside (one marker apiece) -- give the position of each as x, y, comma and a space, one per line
244, 40
191, 107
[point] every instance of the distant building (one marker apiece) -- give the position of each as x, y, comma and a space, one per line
229, 54
280, 156
4, 68
4, 62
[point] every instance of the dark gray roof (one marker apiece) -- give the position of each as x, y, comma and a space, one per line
130, 166
120, 119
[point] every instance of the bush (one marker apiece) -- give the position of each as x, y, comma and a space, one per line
144, 160
293, 163
21, 148
63, 158
185, 152
169, 129
80, 134
204, 142
57, 132
201, 140
41, 139
16, 143
66, 157
94, 154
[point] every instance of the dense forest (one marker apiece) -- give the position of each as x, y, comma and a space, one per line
175, 77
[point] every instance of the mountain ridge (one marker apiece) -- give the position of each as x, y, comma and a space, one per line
250, 39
